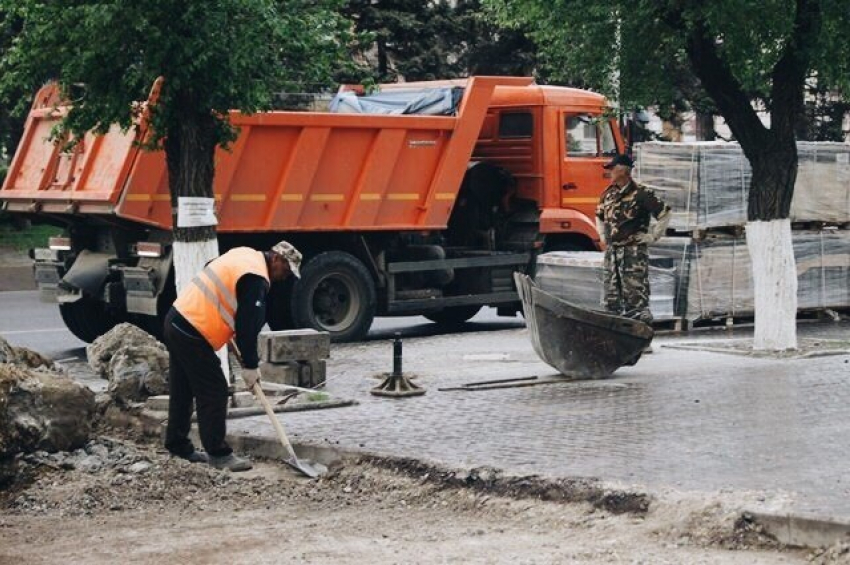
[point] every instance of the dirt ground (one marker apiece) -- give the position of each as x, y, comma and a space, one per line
119, 500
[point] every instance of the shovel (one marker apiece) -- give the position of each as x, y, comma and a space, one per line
293, 461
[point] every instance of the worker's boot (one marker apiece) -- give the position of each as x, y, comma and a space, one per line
231, 462
194, 457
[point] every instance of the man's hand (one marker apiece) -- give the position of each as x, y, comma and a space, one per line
250, 377
659, 230
600, 229
646, 238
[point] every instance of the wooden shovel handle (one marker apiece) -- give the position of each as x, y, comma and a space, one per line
278, 427
261, 396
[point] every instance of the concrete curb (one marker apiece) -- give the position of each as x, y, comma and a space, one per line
803, 531
794, 530
789, 529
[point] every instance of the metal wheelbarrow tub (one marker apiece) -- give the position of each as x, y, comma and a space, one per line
576, 341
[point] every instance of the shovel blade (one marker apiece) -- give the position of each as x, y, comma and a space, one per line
303, 467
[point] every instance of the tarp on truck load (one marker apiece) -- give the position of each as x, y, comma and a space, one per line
426, 102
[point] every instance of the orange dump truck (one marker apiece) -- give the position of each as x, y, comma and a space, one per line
397, 214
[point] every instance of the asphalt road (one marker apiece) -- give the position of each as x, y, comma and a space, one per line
27, 322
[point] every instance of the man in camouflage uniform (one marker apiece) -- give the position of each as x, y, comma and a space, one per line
623, 221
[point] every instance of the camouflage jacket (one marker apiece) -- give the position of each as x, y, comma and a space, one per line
626, 212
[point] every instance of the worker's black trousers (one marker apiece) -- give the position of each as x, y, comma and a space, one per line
195, 374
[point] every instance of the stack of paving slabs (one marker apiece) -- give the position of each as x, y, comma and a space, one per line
707, 183
576, 276
713, 276
294, 357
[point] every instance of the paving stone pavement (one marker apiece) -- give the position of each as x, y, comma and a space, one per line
694, 421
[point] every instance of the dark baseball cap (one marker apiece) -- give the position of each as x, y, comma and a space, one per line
620, 159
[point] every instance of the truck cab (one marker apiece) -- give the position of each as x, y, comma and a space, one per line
553, 141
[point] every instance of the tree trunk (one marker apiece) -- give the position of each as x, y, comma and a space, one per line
705, 126
770, 245
190, 157
383, 60
774, 165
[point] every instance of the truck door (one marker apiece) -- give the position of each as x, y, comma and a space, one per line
588, 142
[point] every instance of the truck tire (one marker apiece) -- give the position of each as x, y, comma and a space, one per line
335, 294
278, 306
87, 318
453, 316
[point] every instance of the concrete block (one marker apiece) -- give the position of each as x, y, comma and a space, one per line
157, 403
294, 345
242, 400
306, 374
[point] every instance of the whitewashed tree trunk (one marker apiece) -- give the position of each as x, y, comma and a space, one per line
774, 284
189, 259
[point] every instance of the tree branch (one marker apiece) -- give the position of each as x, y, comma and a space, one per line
789, 73
726, 91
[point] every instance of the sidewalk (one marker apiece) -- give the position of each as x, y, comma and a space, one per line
777, 431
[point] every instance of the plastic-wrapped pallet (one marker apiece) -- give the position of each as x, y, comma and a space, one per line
714, 275
576, 276
707, 183
822, 191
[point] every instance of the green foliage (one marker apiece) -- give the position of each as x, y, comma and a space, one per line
823, 115
580, 39
11, 124
483, 47
415, 40
213, 55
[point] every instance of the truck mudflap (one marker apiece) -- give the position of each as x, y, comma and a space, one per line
578, 342
88, 273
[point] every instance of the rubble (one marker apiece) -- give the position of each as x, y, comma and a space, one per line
22, 356
133, 361
40, 409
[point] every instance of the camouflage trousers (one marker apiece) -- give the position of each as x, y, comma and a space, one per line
626, 281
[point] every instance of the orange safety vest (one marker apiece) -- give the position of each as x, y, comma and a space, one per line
209, 302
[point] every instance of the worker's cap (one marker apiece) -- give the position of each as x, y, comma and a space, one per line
292, 256
620, 159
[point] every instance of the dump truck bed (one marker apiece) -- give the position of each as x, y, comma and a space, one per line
286, 171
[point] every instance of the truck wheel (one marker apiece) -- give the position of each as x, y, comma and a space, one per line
453, 316
87, 318
336, 294
278, 306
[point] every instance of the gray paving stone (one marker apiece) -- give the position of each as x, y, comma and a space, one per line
693, 420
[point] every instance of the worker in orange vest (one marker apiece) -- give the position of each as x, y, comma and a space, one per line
225, 300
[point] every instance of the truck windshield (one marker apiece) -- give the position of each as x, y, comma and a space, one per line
588, 136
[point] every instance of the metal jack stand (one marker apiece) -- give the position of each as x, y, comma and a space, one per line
395, 384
